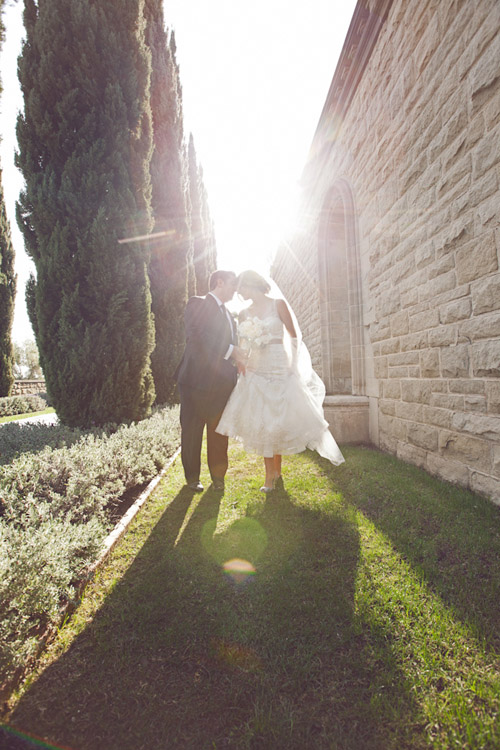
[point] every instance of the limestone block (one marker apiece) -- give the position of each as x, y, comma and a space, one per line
412, 412
483, 188
482, 327
454, 234
389, 346
476, 129
399, 323
455, 361
423, 436
467, 386
387, 442
429, 363
380, 330
424, 321
486, 485
487, 69
409, 298
437, 286
414, 371
415, 170
387, 407
447, 401
392, 389
496, 460
425, 254
487, 153
435, 416
415, 280
471, 451
477, 258
459, 175
391, 426
487, 211
402, 270
460, 291
430, 176
487, 426
475, 403
493, 397
486, 359
444, 264
387, 304
416, 391
412, 454
455, 125
380, 367
442, 336
456, 310
492, 114
456, 149
486, 294
398, 372
403, 358
450, 471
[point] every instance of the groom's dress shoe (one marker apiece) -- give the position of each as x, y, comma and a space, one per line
195, 486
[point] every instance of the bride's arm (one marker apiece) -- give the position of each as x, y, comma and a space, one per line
285, 317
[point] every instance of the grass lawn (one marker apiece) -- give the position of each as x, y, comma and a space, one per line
368, 617
15, 417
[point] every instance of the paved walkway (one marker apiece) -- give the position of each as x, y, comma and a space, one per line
41, 418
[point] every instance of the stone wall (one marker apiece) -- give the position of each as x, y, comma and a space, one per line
24, 387
413, 131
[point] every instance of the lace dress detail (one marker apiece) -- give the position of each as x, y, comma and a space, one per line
271, 409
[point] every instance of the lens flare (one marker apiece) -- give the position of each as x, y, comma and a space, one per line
239, 570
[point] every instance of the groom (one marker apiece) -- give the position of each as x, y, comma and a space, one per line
205, 378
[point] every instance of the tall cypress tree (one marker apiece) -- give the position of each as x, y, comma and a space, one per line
7, 297
171, 253
84, 149
204, 254
7, 285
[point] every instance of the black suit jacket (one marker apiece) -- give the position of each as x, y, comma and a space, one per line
208, 336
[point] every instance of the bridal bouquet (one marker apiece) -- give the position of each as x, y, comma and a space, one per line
252, 334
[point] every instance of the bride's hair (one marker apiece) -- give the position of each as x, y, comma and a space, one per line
253, 280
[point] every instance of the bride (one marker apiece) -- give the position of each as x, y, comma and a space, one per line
276, 407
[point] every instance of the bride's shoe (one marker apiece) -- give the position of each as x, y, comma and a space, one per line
266, 488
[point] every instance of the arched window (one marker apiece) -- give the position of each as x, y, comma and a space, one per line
340, 294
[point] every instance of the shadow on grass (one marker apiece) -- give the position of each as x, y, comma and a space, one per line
449, 534
185, 655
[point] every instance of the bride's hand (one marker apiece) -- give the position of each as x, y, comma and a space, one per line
240, 356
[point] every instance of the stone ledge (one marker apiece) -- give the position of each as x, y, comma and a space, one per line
348, 417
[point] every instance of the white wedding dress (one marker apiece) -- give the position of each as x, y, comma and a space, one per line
275, 409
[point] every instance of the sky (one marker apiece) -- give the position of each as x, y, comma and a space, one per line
255, 76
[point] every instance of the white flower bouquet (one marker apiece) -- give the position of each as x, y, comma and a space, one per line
252, 334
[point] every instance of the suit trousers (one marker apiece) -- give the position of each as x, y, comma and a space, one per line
200, 408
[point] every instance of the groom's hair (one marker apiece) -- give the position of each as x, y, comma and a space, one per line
216, 275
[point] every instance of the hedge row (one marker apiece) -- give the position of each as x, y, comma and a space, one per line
12, 405
55, 511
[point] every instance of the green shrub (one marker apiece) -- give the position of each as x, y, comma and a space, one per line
17, 438
56, 507
38, 568
11, 405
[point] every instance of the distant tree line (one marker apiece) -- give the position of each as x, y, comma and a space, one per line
7, 283
114, 211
